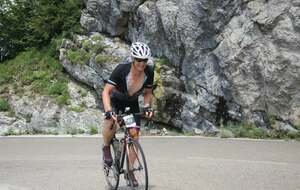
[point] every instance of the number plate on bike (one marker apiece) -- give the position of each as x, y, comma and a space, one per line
129, 121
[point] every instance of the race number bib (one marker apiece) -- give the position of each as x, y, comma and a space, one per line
129, 121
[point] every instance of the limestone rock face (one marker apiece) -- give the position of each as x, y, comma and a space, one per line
41, 114
234, 59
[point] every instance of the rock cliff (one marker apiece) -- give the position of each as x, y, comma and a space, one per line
232, 60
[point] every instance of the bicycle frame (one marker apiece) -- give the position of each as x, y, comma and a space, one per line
123, 142
124, 161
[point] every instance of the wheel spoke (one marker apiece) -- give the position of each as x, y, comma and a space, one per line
137, 167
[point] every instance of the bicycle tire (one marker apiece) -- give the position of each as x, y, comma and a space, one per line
112, 175
139, 168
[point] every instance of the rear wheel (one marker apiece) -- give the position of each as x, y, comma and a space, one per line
136, 166
111, 173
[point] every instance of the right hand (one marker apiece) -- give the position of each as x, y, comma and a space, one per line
110, 115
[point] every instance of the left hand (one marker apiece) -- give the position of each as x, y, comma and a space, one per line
148, 112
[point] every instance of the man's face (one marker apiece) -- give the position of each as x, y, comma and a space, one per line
140, 64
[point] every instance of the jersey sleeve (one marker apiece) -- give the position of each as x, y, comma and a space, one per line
150, 78
115, 77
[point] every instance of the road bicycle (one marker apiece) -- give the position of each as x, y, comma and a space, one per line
128, 157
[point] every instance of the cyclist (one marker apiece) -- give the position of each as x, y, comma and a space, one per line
122, 90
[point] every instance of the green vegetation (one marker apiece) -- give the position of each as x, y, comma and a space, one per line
75, 131
298, 126
93, 130
82, 92
293, 135
158, 93
38, 71
101, 59
3, 88
77, 109
97, 37
245, 130
11, 113
163, 61
188, 133
78, 56
13, 132
93, 46
4, 106
272, 119
82, 54
35, 23
98, 48
10, 132
225, 133
280, 134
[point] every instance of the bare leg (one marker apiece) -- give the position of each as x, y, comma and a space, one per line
134, 133
107, 131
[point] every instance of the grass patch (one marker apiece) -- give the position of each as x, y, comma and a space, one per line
4, 105
272, 119
79, 56
4, 89
75, 131
76, 109
11, 113
54, 46
101, 59
297, 126
97, 37
63, 99
225, 133
14, 132
98, 48
10, 132
293, 135
93, 46
82, 92
5, 75
87, 45
188, 133
58, 88
281, 134
257, 133
164, 61
93, 130
39, 71
244, 130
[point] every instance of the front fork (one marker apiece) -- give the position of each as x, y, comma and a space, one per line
124, 157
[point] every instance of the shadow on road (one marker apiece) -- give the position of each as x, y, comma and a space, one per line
151, 187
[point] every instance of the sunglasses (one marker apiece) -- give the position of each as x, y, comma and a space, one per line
141, 60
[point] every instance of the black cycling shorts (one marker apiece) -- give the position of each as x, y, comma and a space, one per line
120, 105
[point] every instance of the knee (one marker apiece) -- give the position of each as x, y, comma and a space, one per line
108, 127
134, 133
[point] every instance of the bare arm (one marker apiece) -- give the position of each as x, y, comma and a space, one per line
148, 97
108, 88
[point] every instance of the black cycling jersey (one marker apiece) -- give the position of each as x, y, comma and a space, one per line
120, 98
119, 78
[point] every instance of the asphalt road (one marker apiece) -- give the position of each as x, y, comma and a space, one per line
174, 164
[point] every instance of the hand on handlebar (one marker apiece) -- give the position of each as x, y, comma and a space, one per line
110, 114
148, 112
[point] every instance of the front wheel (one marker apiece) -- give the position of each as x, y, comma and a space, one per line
111, 173
137, 166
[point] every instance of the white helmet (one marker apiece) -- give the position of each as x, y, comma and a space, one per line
140, 50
